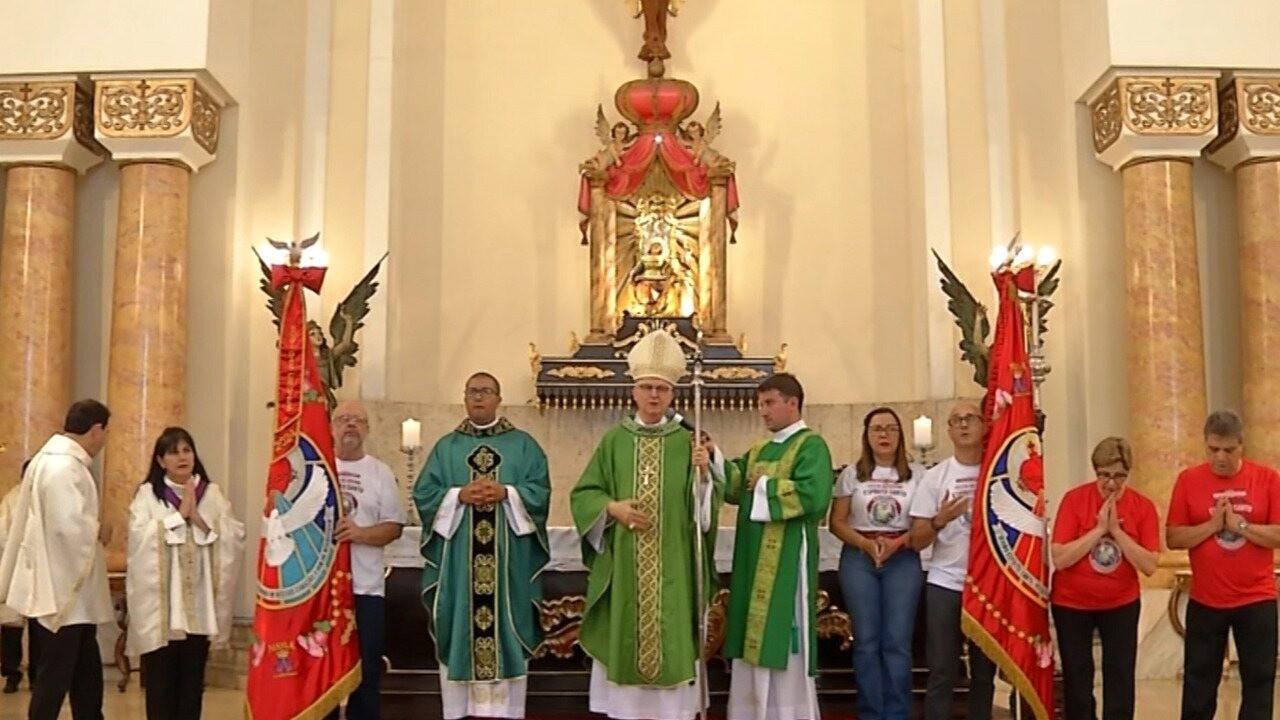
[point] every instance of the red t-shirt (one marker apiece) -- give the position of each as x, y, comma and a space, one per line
1104, 579
1228, 571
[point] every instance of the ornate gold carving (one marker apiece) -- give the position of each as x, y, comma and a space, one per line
834, 623
1261, 106
780, 360
581, 372
735, 372
1105, 112
1167, 105
561, 620
204, 120
717, 623
36, 111
145, 108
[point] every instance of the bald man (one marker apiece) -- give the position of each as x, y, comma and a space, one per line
373, 515
940, 517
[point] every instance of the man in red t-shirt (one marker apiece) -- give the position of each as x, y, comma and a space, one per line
1226, 512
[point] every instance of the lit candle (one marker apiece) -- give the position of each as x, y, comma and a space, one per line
410, 434
999, 255
923, 432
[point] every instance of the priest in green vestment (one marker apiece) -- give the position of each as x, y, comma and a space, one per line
483, 497
782, 488
637, 507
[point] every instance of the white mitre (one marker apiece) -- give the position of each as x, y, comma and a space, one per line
657, 355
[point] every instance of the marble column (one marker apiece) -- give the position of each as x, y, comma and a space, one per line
1249, 143
46, 139
160, 129
1150, 127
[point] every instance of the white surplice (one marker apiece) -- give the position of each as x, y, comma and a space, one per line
181, 579
53, 568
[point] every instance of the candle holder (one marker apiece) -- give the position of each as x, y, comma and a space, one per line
922, 438
922, 451
411, 448
411, 457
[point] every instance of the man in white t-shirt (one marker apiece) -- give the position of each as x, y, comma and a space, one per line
373, 516
940, 513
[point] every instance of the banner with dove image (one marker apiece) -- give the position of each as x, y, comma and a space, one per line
1006, 593
304, 658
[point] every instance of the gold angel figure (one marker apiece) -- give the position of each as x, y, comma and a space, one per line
614, 140
698, 138
336, 351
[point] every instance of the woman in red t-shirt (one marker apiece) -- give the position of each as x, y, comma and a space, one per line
1104, 534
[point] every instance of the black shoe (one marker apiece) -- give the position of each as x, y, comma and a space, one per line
11, 684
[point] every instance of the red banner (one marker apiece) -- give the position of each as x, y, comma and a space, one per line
1006, 593
305, 655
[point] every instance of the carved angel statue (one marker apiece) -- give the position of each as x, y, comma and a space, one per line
971, 316
655, 25
614, 140
698, 138
337, 351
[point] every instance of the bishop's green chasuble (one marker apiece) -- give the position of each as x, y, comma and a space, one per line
762, 627
480, 585
640, 616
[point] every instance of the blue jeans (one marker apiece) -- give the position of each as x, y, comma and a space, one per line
882, 603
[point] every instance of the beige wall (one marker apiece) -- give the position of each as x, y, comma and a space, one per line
492, 110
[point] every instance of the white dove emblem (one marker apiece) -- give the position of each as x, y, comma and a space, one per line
277, 528
1011, 502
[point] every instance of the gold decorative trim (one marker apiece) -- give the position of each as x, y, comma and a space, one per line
145, 108
36, 111
1261, 105
648, 558
1168, 105
1107, 124
733, 372
204, 121
581, 372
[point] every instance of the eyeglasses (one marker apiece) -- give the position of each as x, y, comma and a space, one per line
884, 429
654, 388
356, 419
959, 420
479, 392
1118, 476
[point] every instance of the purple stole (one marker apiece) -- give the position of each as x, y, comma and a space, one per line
174, 500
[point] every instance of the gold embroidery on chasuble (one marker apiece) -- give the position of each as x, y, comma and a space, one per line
648, 495
771, 539
483, 463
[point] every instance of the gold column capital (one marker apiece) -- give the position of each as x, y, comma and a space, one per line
157, 117
47, 120
1152, 114
1249, 121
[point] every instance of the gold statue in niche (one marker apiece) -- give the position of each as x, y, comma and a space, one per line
658, 235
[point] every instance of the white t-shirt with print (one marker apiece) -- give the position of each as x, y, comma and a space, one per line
880, 503
950, 557
369, 496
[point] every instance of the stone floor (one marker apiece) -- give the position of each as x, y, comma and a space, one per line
1156, 699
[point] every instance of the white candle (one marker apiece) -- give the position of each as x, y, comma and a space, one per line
410, 434
923, 432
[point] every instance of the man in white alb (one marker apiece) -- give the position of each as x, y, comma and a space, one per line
54, 565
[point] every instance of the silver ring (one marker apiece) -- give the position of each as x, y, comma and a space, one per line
631, 526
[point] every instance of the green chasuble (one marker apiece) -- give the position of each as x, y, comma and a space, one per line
481, 585
762, 628
640, 615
